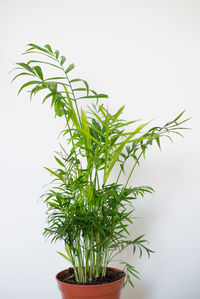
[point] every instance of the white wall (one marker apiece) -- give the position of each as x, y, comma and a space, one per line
145, 54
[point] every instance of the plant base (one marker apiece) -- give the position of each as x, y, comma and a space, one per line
110, 290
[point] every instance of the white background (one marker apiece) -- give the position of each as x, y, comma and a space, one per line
145, 54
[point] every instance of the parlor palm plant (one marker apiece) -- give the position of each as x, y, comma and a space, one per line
87, 210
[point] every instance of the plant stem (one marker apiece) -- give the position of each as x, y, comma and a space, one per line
132, 170
74, 98
91, 255
118, 176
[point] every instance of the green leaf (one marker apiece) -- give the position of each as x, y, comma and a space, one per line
101, 95
96, 124
138, 238
59, 162
128, 149
47, 96
55, 174
123, 155
85, 128
38, 70
44, 62
116, 115
27, 84
63, 255
183, 121
87, 86
158, 142
26, 66
21, 74
57, 54
63, 59
34, 46
113, 161
49, 48
55, 78
131, 283
58, 106
70, 67
97, 116
79, 89
179, 116
36, 89
84, 82
75, 80
122, 167
96, 130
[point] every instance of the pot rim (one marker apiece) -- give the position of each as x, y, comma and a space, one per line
91, 286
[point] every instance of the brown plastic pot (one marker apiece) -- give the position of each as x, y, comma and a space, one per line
110, 290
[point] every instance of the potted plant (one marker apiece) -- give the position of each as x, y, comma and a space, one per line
87, 210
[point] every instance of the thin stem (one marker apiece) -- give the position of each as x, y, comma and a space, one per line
105, 262
118, 176
91, 255
107, 146
136, 162
74, 98
86, 257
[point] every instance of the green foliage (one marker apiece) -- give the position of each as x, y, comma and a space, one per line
84, 209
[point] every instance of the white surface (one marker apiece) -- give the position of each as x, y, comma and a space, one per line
145, 54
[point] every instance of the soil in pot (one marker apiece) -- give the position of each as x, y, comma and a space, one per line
111, 276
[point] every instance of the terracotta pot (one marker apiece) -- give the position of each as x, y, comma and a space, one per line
102, 291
